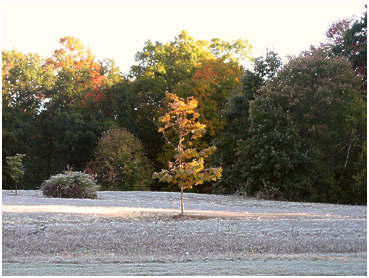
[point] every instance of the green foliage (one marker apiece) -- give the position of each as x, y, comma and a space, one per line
69, 135
15, 166
119, 106
207, 70
70, 184
274, 159
305, 134
297, 133
54, 110
237, 125
120, 162
24, 85
169, 64
267, 67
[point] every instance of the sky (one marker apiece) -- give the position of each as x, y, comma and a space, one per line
118, 30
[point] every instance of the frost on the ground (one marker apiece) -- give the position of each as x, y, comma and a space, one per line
144, 227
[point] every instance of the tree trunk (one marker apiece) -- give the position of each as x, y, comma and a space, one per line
182, 201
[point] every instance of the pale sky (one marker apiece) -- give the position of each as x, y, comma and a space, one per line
118, 30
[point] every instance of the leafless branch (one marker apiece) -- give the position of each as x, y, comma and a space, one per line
162, 132
347, 156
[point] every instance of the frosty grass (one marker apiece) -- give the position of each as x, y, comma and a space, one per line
140, 233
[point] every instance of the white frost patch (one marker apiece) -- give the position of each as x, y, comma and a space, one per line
128, 229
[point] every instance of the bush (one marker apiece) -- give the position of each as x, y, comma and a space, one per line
70, 185
121, 163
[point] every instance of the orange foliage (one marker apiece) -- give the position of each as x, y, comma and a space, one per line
74, 57
219, 71
212, 84
206, 72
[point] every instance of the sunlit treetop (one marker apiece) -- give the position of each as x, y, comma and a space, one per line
75, 62
177, 61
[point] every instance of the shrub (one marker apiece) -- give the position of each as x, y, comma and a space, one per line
70, 185
121, 163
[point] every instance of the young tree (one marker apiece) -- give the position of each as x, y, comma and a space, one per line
181, 129
16, 171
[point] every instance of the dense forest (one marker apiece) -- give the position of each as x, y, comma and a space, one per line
287, 131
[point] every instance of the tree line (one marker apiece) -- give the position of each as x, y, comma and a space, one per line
293, 131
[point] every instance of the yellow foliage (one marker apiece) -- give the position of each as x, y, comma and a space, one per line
188, 167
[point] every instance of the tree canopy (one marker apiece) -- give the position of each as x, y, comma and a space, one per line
303, 139
295, 131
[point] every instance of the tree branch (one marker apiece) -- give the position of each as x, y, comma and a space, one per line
162, 132
347, 156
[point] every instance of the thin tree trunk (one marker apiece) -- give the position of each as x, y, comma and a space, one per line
180, 165
347, 157
182, 200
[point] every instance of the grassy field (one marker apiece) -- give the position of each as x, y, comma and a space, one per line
140, 233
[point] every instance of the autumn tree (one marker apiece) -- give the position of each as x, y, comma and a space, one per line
55, 109
212, 85
162, 66
181, 128
335, 33
349, 38
72, 119
208, 70
79, 75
